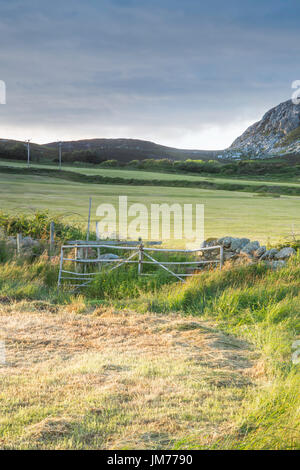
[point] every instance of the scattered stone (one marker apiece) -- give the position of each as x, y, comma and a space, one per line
229, 255
238, 243
28, 242
109, 256
250, 248
285, 253
242, 252
210, 242
225, 241
269, 254
260, 252
276, 264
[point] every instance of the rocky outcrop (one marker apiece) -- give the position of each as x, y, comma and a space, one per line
277, 132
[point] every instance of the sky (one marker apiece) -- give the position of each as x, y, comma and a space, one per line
184, 73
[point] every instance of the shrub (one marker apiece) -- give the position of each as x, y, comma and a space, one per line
37, 226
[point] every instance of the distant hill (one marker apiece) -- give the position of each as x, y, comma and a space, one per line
125, 150
99, 150
17, 150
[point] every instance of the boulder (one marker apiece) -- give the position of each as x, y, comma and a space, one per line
229, 255
209, 242
269, 254
250, 248
109, 256
225, 241
28, 242
285, 253
276, 264
238, 243
260, 252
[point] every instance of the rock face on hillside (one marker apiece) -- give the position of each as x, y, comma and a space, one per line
277, 132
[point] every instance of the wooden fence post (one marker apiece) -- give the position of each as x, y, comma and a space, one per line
60, 267
52, 232
19, 243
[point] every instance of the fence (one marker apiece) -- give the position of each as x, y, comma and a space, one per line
140, 252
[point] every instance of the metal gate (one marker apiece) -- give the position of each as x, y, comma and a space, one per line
138, 255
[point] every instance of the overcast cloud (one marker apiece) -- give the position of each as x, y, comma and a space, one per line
187, 73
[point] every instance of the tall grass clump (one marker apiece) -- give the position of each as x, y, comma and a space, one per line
6, 251
124, 284
21, 279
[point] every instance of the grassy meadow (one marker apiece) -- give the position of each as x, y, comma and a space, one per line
234, 213
146, 362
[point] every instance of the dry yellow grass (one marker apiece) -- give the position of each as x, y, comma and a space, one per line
116, 380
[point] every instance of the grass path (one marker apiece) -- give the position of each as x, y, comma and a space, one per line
116, 380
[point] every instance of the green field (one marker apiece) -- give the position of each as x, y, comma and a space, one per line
226, 212
152, 175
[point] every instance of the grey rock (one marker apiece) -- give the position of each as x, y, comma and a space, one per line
225, 241
276, 264
269, 254
250, 248
28, 242
209, 242
229, 255
260, 252
109, 256
285, 253
238, 243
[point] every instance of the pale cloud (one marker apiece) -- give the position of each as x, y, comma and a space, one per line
186, 74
